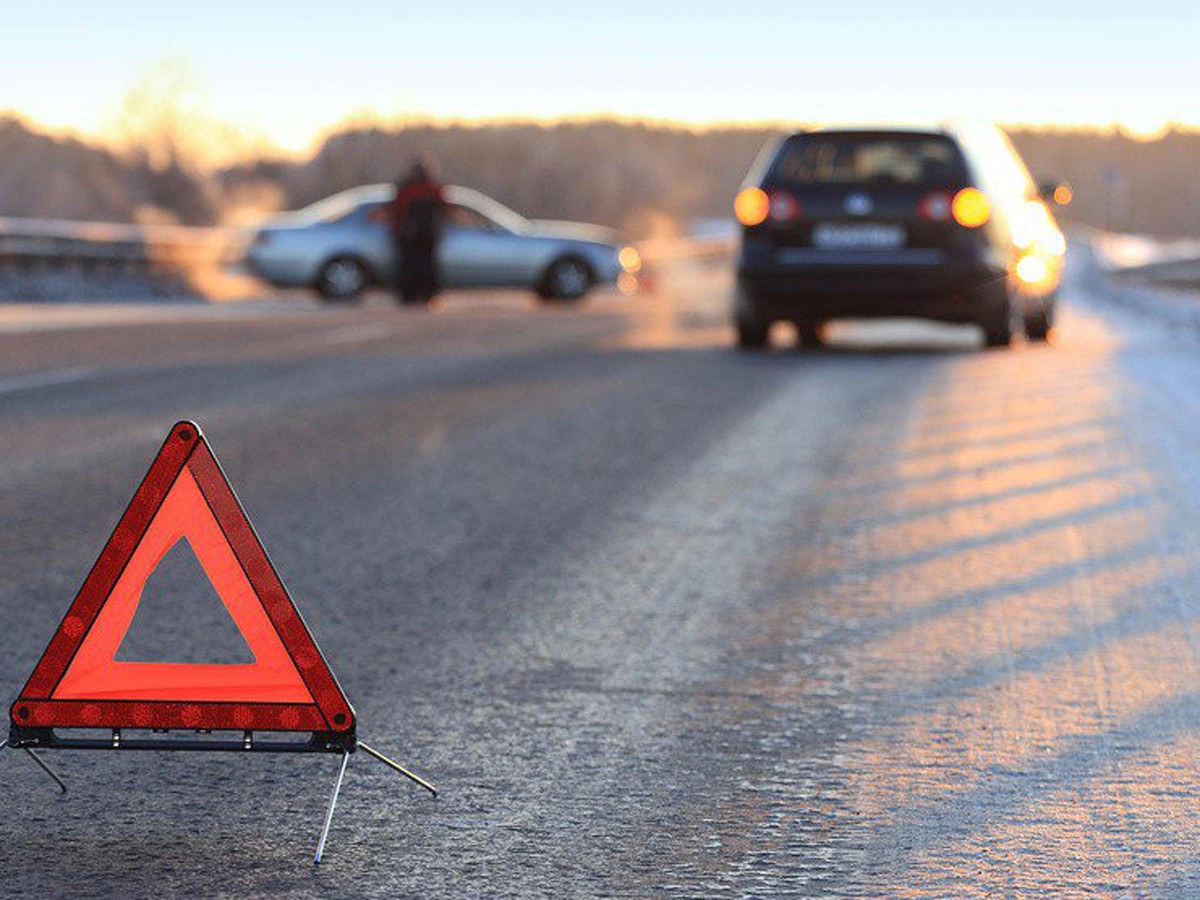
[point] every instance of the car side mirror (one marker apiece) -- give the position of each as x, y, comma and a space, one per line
1055, 192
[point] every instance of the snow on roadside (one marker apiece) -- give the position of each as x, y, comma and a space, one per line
1129, 251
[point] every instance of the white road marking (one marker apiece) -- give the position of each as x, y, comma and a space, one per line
359, 334
23, 318
17, 383
338, 337
349, 334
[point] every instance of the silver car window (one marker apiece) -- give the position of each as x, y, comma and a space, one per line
498, 213
331, 209
466, 217
340, 206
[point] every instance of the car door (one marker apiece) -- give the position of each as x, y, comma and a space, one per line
476, 251
373, 241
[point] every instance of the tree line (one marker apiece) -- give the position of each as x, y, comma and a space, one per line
646, 178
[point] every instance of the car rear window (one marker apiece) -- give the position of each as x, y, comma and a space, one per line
840, 158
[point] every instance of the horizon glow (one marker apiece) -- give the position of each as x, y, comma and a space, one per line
285, 74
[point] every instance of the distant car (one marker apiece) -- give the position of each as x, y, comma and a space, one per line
340, 247
941, 224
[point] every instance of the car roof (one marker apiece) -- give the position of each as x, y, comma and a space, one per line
455, 194
377, 193
960, 130
894, 128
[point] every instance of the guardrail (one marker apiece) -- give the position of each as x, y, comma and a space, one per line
39, 244
204, 261
45, 243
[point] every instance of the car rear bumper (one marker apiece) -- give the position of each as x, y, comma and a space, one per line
819, 285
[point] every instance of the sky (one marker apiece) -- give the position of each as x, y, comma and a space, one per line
286, 72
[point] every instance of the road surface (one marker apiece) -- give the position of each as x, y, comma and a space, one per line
902, 617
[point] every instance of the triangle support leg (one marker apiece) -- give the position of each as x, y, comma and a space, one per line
399, 768
62, 785
333, 798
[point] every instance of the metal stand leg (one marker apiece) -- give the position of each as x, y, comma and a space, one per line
337, 786
62, 785
399, 768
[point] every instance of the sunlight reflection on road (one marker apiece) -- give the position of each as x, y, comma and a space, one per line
1019, 631
987, 606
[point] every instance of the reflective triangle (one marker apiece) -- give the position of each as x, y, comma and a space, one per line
79, 683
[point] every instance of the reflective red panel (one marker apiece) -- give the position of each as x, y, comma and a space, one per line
79, 683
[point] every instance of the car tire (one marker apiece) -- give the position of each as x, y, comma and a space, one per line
753, 332
809, 335
342, 279
1039, 319
566, 280
752, 327
997, 325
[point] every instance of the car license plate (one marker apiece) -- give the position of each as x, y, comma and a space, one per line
854, 237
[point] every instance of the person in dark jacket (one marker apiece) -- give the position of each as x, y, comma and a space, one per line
415, 220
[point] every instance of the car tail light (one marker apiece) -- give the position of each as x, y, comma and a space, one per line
1034, 228
783, 207
1033, 269
752, 206
971, 208
936, 207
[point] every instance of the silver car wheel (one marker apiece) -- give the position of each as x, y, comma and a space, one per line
344, 278
569, 278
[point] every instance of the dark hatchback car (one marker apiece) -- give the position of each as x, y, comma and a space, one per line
941, 224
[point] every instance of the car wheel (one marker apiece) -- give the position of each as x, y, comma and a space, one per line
809, 336
998, 328
566, 279
1039, 319
753, 328
342, 278
753, 333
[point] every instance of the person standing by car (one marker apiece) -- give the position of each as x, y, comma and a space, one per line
415, 220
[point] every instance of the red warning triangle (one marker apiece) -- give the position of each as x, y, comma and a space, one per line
79, 684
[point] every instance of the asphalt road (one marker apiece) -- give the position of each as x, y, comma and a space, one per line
902, 617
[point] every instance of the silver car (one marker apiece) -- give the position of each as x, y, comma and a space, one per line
340, 246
